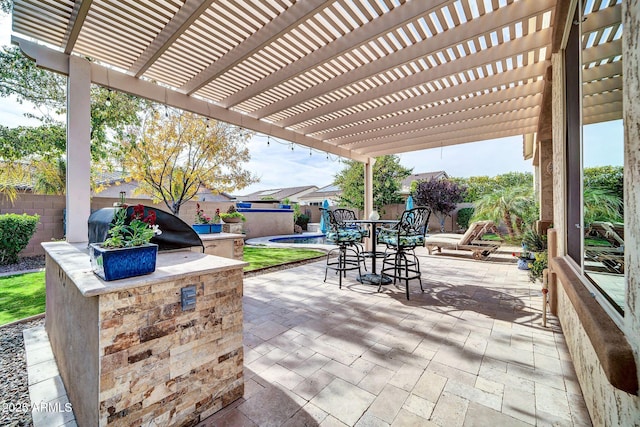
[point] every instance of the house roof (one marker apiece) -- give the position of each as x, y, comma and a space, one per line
325, 192
277, 193
425, 176
357, 78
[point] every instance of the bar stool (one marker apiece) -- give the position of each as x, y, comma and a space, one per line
344, 216
400, 260
348, 256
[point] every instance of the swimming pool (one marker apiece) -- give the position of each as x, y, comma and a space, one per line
317, 239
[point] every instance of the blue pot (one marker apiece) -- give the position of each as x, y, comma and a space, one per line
243, 205
202, 228
523, 264
285, 206
216, 228
120, 263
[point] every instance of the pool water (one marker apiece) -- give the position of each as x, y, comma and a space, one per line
318, 240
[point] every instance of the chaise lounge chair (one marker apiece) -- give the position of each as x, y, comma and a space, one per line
469, 241
612, 257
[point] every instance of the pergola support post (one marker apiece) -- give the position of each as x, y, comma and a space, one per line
78, 150
368, 192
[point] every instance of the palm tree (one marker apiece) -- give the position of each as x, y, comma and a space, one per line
601, 205
508, 205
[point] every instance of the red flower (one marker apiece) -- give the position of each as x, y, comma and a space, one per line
138, 212
151, 217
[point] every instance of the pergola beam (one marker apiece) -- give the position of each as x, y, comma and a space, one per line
298, 12
188, 13
79, 14
58, 62
480, 85
480, 59
458, 119
480, 26
446, 140
515, 94
511, 120
388, 22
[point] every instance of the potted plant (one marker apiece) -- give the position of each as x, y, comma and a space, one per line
232, 215
202, 221
286, 203
216, 226
127, 252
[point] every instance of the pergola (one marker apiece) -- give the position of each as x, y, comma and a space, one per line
356, 78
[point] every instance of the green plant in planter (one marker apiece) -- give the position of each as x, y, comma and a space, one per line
232, 214
537, 265
534, 241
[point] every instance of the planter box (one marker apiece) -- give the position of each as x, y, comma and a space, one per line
216, 228
243, 205
120, 263
202, 228
232, 220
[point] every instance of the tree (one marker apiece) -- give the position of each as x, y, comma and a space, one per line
510, 205
387, 180
173, 155
608, 178
601, 205
479, 186
439, 195
43, 147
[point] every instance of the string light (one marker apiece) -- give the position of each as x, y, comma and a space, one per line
207, 120
292, 145
107, 102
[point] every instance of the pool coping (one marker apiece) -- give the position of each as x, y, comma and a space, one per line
265, 241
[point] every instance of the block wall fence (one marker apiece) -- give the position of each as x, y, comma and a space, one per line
51, 208
51, 211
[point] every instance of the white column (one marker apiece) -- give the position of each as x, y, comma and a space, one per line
78, 149
368, 192
631, 112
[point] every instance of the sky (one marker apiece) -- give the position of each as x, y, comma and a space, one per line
277, 166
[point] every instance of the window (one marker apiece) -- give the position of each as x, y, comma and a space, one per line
595, 216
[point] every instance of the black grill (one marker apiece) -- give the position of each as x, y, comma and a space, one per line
176, 234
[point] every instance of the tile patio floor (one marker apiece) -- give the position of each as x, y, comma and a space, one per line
470, 351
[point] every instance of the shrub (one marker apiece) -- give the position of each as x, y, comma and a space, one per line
464, 215
302, 220
15, 233
537, 266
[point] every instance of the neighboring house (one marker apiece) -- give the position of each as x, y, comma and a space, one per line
330, 192
113, 183
278, 194
405, 188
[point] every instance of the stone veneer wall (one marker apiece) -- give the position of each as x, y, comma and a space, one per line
160, 364
127, 353
607, 405
223, 244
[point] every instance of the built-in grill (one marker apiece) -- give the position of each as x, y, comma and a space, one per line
176, 234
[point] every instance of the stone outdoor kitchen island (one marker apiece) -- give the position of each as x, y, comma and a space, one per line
141, 351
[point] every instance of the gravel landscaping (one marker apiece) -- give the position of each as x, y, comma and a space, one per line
14, 391
25, 264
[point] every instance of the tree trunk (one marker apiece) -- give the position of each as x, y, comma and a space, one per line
506, 218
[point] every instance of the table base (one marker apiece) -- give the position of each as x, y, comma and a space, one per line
373, 279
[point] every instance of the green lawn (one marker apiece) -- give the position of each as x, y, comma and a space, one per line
261, 257
21, 296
